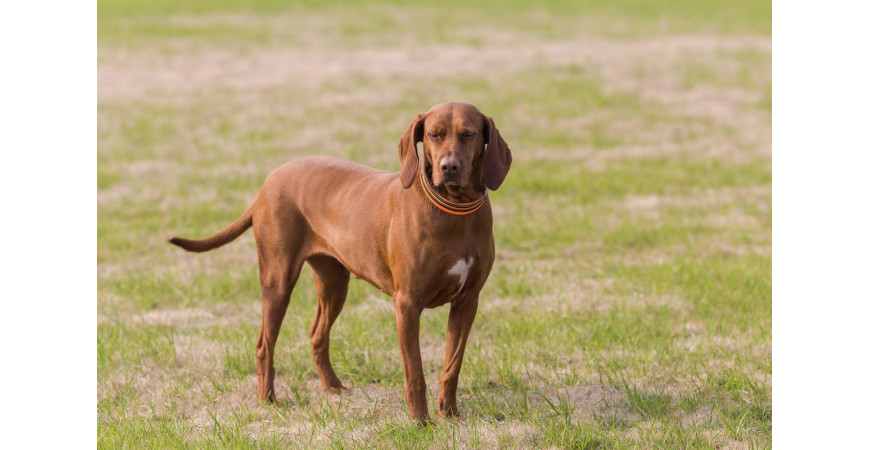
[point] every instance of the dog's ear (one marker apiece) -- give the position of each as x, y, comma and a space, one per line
408, 151
497, 157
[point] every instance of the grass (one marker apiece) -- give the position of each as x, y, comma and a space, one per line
630, 303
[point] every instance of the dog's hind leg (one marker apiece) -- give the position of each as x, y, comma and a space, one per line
280, 262
331, 280
276, 296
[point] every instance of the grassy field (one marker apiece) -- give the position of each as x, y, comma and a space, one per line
630, 302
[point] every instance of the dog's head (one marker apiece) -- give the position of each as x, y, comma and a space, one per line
460, 145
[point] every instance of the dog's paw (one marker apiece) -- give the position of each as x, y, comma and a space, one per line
426, 422
337, 390
448, 414
448, 411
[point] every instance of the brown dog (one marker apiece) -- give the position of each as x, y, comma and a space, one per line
423, 236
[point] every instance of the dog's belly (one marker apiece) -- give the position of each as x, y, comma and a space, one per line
430, 273
357, 258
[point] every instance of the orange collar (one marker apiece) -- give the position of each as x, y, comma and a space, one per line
457, 209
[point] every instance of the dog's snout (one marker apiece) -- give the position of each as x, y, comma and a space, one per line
450, 165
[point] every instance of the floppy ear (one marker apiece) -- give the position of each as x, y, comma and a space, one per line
497, 157
408, 151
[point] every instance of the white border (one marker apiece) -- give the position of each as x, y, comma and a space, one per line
48, 91
821, 198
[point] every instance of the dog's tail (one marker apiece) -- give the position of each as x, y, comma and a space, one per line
218, 239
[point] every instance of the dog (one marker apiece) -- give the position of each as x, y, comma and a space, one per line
423, 236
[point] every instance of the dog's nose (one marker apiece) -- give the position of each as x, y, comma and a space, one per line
449, 165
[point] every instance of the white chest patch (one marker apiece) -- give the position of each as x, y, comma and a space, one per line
460, 269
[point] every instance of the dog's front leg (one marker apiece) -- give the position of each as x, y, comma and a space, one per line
408, 327
462, 314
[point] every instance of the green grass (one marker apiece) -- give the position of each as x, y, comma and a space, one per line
630, 303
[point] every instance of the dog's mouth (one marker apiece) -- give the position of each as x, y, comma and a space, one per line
450, 180
439, 179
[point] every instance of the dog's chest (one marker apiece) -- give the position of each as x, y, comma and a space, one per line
455, 275
450, 259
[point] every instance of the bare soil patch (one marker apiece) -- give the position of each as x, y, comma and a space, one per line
125, 75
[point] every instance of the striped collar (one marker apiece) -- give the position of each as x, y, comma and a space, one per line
457, 209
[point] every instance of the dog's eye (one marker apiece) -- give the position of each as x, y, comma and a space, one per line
434, 135
468, 135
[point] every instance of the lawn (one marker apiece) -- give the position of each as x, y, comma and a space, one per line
630, 301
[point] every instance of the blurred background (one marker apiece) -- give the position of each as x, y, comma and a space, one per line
630, 302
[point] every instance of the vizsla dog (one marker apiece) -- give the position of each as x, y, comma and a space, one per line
423, 236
